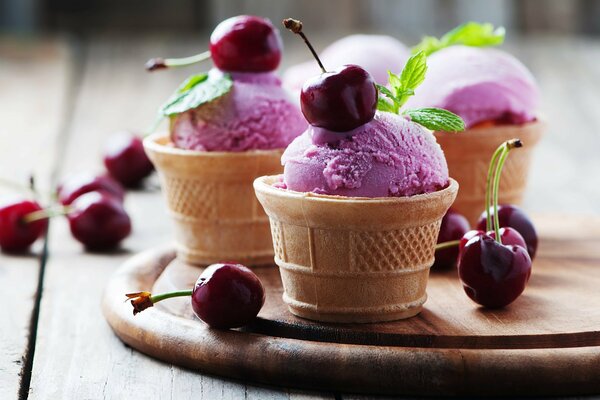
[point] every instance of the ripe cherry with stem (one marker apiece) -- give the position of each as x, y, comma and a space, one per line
494, 273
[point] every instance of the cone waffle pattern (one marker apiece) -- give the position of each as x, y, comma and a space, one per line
212, 203
350, 259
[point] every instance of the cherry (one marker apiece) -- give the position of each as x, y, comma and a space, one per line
466, 237
98, 220
509, 236
338, 100
454, 226
226, 295
76, 185
246, 43
16, 234
126, 160
493, 274
514, 217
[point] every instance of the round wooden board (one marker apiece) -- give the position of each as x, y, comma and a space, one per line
546, 343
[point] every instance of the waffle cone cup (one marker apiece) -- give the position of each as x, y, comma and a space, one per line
469, 153
351, 259
211, 201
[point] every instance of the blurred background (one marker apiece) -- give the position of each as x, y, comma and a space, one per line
77, 66
405, 17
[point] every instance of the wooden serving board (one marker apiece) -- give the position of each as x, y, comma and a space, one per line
547, 342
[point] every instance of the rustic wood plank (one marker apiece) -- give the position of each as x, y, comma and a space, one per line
77, 354
34, 77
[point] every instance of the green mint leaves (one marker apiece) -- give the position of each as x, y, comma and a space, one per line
437, 119
195, 91
469, 34
402, 87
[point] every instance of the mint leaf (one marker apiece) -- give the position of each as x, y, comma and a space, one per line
413, 73
195, 91
403, 86
474, 34
437, 119
387, 101
469, 34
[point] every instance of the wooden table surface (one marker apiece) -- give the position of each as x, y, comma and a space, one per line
61, 97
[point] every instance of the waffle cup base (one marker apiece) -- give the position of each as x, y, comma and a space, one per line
353, 260
469, 153
212, 203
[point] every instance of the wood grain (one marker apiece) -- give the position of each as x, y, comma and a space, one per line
547, 342
26, 67
77, 355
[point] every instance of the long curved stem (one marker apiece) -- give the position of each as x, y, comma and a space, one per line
47, 213
163, 63
447, 245
497, 175
488, 186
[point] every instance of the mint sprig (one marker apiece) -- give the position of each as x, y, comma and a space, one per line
436, 119
402, 87
196, 90
469, 34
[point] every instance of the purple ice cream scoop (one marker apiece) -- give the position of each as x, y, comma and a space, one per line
257, 114
375, 53
388, 156
479, 84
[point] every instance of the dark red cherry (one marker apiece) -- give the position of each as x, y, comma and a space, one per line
509, 236
99, 221
514, 217
227, 296
493, 274
466, 237
453, 227
76, 185
339, 100
126, 160
246, 44
16, 235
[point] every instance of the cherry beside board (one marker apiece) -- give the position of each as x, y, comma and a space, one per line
547, 342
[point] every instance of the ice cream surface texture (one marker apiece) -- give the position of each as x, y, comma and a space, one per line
256, 114
388, 156
479, 84
375, 53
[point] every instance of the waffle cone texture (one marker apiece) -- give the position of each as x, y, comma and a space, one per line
354, 260
212, 203
469, 153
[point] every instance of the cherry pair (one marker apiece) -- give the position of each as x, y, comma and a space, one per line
494, 262
225, 296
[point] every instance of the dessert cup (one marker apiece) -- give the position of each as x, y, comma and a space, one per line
212, 203
353, 259
468, 155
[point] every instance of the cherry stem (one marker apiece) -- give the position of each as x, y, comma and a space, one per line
143, 300
447, 245
163, 63
296, 26
163, 296
488, 186
47, 213
506, 148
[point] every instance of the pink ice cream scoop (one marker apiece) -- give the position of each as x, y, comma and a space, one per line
256, 114
388, 156
375, 53
479, 84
